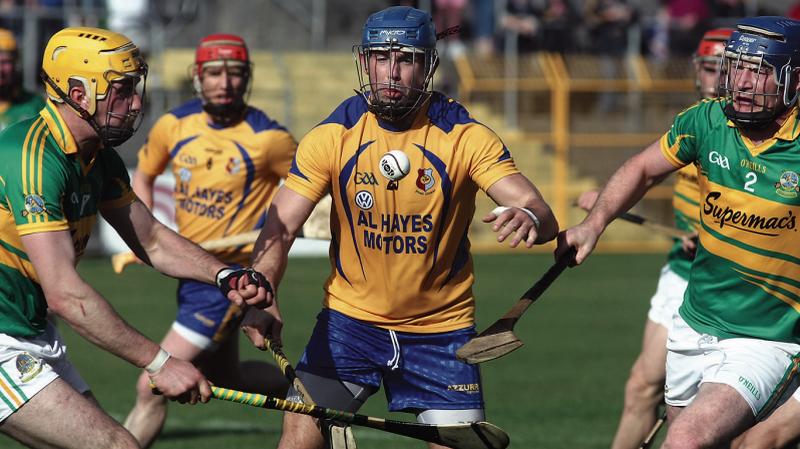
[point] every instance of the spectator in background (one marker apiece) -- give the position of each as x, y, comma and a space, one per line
724, 9
521, 17
449, 14
483, 27
607, 22
559, 19
688, 20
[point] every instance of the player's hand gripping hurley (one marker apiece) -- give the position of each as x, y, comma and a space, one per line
479, 435
499, 338
340, 437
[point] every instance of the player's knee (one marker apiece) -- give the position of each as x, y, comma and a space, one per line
120, 438
680, 437
640, 389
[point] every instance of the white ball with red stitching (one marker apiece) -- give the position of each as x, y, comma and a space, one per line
395, 165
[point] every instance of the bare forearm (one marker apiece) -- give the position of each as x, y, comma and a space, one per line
178, 257
625, 188
287, 213
83, 309
270, 254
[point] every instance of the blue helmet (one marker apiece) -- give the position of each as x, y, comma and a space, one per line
397, 29
399, 25
768, 45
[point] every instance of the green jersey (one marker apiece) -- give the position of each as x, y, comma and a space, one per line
46, 186
745, 280
26, 105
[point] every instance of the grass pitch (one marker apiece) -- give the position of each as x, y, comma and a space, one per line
561, 390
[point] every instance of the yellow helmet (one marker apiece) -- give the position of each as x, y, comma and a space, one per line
93, 56
7, 41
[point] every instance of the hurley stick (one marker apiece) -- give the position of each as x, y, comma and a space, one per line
479, 435
499, 338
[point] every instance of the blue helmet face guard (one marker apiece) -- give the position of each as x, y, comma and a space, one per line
757, 78
396, 37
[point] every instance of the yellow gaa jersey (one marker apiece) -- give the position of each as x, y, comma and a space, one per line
745, 279
685, 203
45, 186
400, 254
225, 177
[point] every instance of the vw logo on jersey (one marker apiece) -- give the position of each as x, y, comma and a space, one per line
364, 200
185, 174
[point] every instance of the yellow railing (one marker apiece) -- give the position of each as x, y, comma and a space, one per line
563, 77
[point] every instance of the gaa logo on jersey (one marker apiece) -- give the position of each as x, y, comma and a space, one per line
234, 165
34, 205
425, 181
787, 185
364, 200
28, 366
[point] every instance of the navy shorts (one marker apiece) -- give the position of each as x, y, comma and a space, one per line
205, 317
418, 371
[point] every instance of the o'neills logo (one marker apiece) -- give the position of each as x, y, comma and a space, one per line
744, 221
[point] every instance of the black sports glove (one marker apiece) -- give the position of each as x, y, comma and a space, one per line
228, 279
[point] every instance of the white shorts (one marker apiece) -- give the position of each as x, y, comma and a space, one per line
763, 372
27, 365
668, 297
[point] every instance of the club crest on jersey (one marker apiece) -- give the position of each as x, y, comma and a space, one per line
364, 200
34, 205
787, 185
425, 181
234, 165
28, 366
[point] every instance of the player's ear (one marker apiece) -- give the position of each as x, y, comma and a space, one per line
77, 93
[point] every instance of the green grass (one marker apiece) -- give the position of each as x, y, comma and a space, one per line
562, 389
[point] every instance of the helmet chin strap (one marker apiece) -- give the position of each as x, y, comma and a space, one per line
225, 114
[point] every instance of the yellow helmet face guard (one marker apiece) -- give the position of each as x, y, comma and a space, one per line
96, 58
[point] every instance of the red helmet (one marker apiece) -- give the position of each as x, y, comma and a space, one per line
712, 45
221, 47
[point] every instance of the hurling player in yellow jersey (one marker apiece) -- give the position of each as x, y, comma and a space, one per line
733, 347
228, 159
398, 302
57, 171
644, 389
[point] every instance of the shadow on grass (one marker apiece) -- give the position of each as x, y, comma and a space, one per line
206, 431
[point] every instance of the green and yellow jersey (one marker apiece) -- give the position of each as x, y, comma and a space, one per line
46, 186
26, 105
225, 177
685, 204
744, 281
399, 252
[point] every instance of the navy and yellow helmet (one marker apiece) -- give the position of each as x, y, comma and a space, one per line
772, 43
399, 25
403, 29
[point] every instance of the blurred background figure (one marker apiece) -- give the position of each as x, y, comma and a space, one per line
607, 23
16, 103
